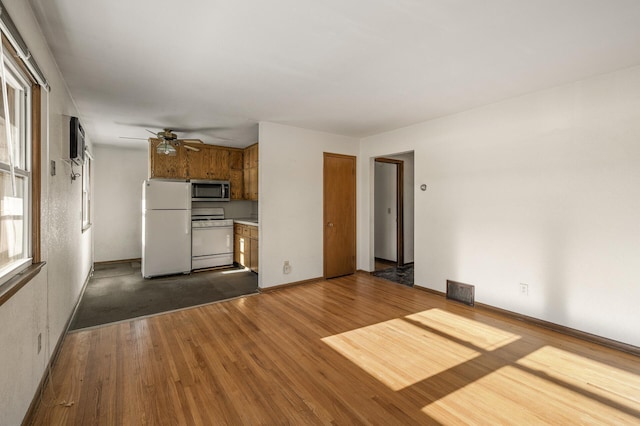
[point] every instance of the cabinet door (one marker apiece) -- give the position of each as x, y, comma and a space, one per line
210, 163
166, 166
243, 250
253, 159
246, 188
253, 258
236, 249
218, 163
237, 184
246, 158
253, 183
196, 164
236, 159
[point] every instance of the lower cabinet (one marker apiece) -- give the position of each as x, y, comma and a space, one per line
245, 245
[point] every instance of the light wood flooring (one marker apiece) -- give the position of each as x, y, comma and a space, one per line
352, 350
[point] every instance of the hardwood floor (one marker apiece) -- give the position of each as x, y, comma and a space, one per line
352, 350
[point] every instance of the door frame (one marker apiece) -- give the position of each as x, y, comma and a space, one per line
324, 210
399, 206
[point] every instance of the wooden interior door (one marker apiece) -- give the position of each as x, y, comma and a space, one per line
339, 215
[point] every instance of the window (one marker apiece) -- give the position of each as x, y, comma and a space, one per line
15, 182
86, 192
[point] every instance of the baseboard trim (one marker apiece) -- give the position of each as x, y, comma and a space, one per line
54, 357
430, 290
111, 262
592, 338
288, 285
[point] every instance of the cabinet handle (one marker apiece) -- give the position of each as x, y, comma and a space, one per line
330, 224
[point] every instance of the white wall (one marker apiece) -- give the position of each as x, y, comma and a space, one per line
543, 189
290, 200
45, 304
119, 173
385, 211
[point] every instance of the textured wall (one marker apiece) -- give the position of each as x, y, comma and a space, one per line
45, 304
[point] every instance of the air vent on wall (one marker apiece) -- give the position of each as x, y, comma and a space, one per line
461, 292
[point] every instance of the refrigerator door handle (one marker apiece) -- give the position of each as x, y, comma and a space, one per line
188, 225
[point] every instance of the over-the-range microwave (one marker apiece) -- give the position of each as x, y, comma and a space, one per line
210, 190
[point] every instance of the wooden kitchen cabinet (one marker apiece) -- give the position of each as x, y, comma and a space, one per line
245, 245
210, 162
250, 178
166, 166
253, 256
253, 183
237, 184
236, 161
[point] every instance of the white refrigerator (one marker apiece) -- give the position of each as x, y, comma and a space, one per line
166, 228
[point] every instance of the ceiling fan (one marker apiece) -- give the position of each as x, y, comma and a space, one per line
169, 142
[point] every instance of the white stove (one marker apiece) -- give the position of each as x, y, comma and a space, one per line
211, 238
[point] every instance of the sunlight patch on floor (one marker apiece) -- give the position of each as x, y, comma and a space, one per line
399, 353
475, 333
545, 402
588, 375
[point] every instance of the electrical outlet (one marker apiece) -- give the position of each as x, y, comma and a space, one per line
524, 289
286, 268
39, 342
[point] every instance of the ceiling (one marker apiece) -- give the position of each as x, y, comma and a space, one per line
355, 68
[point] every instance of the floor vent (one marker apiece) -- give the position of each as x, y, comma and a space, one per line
461, 292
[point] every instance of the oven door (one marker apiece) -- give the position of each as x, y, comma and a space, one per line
207, 241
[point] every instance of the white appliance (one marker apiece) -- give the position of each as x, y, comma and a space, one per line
210, 190
212, 238
166, 228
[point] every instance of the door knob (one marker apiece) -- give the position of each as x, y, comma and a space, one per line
330, 224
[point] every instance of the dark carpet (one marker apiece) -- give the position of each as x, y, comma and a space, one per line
117, 292
398, 274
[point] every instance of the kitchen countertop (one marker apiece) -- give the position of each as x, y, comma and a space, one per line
247, 221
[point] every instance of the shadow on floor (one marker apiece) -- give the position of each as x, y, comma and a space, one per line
117, 291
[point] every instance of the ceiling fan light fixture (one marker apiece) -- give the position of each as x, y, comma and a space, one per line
166, 148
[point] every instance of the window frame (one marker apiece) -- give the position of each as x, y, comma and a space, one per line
19, 80
14, 279
86, 192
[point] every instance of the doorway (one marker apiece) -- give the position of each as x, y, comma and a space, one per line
389, 212
393, 213
339, 206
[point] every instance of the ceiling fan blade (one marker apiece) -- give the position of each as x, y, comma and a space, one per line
192, 140
200, 129
191, 148
152, 132
126, 137
221, 138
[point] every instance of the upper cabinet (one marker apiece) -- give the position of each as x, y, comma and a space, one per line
209, 162
250, 178
166, 166
236, 163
